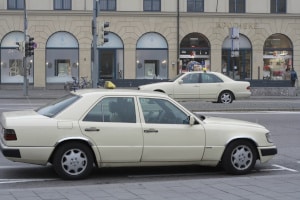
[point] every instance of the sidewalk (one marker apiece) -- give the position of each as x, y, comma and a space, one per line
274, 187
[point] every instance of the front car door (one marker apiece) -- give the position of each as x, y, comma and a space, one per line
113, 125
167, 133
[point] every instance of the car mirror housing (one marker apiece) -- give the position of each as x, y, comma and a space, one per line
191, 120
180, 81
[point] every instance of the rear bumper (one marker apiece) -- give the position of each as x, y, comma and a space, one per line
9, 152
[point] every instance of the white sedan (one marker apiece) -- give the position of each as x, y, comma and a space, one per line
209, 86
114, 128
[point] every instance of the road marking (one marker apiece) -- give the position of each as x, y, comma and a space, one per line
285, 168
7, 181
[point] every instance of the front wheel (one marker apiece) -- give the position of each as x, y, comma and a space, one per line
225, 97
239, 157
73, 161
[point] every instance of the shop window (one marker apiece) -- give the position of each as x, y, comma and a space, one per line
194, 52
15, 5
278, 6
195, 5
62, 4
152, 5
278, 57
152, 57
108, 5
237, 6
61, 58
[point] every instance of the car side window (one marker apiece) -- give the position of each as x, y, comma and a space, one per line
113, 109
161, 111
210, 78
191, 78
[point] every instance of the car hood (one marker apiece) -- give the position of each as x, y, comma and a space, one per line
154, 85
234, 122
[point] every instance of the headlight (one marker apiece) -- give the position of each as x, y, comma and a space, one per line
268, 136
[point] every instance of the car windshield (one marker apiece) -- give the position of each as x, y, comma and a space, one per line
57, 106
175, 78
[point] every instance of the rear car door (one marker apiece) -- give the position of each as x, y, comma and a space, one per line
113, 125
210, 86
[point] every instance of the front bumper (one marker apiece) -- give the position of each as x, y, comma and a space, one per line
267, 153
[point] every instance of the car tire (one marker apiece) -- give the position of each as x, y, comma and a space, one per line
239, 157
73, 161
225, 97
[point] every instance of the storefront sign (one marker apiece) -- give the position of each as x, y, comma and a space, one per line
238, 25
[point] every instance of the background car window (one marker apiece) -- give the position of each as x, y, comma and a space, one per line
210, 78
113, 109
57, 106
191, 78
160, 111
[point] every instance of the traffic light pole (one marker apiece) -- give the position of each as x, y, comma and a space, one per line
25, 82
95, 57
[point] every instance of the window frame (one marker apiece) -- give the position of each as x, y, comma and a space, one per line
19, 5
108, 4
62, 5
274, 6
197, 4
234, 6
151, 9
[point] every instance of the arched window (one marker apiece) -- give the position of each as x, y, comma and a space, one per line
12, 60
61, 58
278, 56
237, 67
152, 56
111, 56
195, 49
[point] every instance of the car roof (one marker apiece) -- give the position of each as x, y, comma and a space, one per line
104, 91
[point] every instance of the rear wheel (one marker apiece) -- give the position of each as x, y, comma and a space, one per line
73, 161
239, 157
225, 97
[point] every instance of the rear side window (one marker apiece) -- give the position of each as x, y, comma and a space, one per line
55, 107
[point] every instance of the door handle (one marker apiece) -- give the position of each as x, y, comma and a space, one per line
151, 130
92, 129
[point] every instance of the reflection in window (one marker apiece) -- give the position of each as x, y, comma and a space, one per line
278, 6
62, 4
151, 5
210, 78
113, 109
195, 5
160, 111
15, 5
108, 5
237, 6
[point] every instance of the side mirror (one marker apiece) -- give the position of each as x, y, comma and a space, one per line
180, 82
191, 120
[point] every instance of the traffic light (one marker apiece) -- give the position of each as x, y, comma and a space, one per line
103, 32
29, 47
20, 47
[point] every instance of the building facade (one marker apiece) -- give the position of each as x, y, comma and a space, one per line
149, 39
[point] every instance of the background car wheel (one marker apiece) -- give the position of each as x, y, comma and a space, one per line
239, 157
226, 97
73, 161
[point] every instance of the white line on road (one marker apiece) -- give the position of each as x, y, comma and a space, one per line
285, 168
6, 181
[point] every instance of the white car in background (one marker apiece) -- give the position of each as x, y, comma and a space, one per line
117, 128
208, 86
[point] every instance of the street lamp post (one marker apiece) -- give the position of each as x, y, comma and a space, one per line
95, 59
25, 81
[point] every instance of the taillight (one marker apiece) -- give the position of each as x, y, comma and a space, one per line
248, 88
9, 134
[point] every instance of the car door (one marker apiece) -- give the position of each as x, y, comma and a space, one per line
113, 125
168, 136
210, 86
187, 87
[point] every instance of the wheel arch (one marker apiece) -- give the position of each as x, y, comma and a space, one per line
226, 90
242, 139
74, 140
